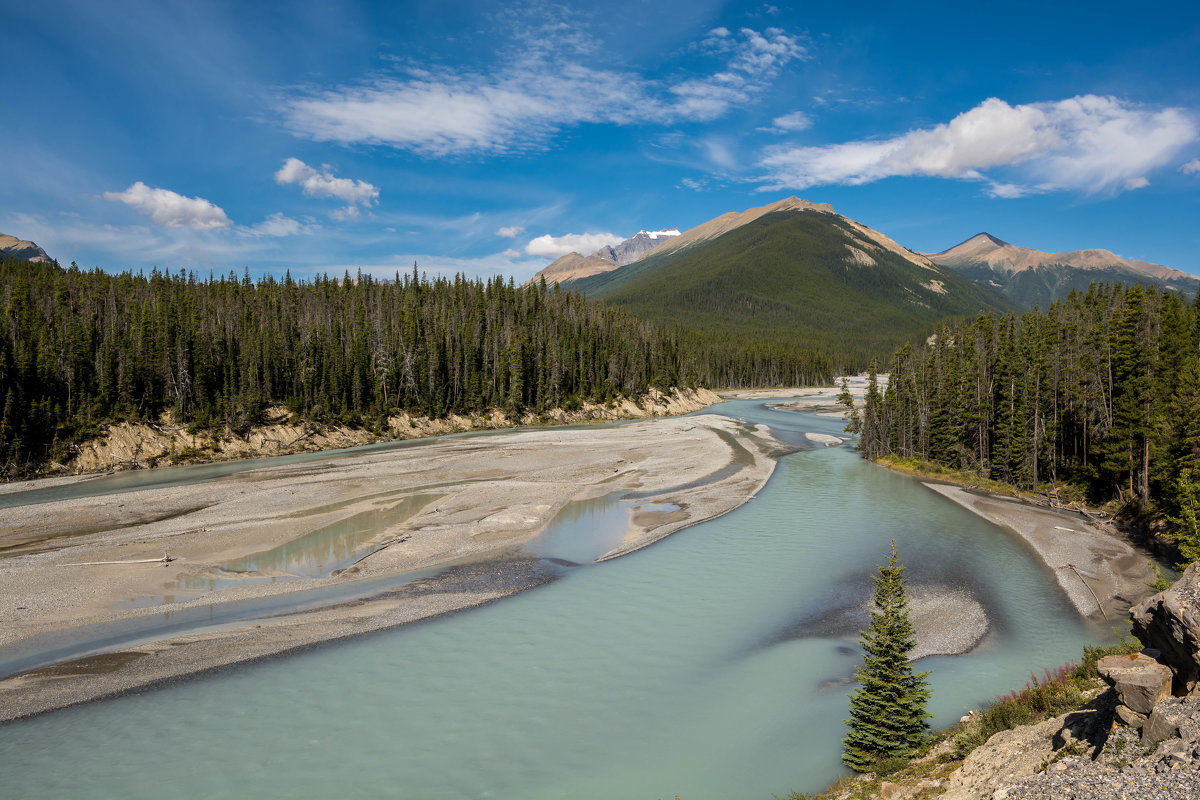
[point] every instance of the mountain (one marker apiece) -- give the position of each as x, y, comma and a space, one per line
1033, 278
793, 272
573, 266
19, 248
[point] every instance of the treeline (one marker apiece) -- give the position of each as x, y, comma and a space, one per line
78, 347
1100, 392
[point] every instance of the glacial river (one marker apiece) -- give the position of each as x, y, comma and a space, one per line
714, 664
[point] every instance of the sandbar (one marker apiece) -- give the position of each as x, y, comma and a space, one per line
1101, 573
463, 509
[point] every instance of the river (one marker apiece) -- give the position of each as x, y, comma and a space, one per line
714, 664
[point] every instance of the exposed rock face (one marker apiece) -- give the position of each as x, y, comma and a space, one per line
634, 247
1170, 623
19, 248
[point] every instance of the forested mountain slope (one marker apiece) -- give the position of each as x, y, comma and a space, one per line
795, 277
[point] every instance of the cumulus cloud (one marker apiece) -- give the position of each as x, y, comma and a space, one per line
532, 96
1087, 143
324, 184
582, 243
171, 210
510, 231
1191, 168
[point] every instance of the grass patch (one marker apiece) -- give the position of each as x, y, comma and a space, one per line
930, 469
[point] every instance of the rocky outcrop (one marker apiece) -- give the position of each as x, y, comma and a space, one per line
1170, 623
1140, 681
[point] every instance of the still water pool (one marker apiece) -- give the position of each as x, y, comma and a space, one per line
705, 666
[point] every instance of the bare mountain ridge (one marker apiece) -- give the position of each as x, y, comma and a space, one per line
1033, 278
983, 248
573, 266
23, 249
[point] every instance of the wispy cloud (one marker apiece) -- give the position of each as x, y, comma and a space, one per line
582, 243
324, 184
1087, 143
531, 96
277, 225
510, 231
1191, 168
790, 123
170, 209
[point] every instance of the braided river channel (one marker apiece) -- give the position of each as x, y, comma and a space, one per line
713, 664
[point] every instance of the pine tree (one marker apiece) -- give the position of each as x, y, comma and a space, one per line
887, 712
846, 400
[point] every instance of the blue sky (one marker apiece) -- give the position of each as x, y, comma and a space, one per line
488, 138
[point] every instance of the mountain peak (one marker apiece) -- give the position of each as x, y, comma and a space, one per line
990, 238
979, 244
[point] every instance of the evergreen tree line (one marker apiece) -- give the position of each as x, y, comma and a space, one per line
1101, 392
81, 347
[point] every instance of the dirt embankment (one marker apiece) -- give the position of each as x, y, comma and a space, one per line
140, 445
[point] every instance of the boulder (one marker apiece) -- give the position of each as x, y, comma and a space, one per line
1140, 681
1170, 623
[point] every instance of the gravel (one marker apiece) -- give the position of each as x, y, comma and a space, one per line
1123, 769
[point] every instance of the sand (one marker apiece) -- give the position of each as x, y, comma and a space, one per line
466, 503
1102, 574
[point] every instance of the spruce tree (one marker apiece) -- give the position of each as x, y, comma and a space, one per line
887, 712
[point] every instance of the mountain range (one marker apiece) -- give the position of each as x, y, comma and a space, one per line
1033, 278
796, 272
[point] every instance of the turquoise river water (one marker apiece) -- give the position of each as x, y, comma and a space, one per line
714, 664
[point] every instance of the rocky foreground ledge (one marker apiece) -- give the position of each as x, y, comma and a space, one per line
1137, 739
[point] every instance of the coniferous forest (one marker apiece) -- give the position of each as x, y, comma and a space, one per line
1100, 394
78, 348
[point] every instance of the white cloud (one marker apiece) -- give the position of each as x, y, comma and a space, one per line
582, 243
324, 184
1008, 191
1191, 168
276, 225
171, 210
1087, 143
694, 184
510, 231
795, 121
533, 96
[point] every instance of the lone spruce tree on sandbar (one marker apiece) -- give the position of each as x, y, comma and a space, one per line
887, 712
